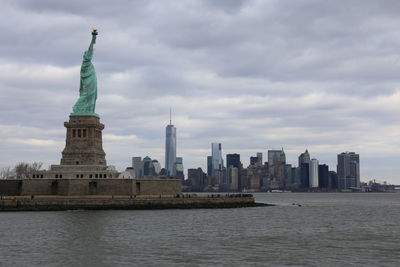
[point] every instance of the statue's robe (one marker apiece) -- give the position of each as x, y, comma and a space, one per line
86, 103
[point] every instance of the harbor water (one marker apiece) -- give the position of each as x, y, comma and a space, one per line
303, 229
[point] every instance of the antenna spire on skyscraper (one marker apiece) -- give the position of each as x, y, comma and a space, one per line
170, 116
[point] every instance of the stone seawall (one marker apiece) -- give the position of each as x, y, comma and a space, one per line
48, 203
80, 187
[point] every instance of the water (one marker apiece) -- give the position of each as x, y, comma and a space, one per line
327, 230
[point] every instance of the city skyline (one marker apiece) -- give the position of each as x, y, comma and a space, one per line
251, 75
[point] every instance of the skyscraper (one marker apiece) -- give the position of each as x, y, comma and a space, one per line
137, 166
333, 179
289, 177
170, 148
260, 159
233, 160
276, 167
348, 170
178, 168
304, 162
216, 154
209, 165
313, 173
233, 178
148, 169
304, 158
323, 176
217, 163
198, 179
253, 160
257, 160
304, 175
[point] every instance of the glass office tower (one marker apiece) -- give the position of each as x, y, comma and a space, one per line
216, 162
216, 156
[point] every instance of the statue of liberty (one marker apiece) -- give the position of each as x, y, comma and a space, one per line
86, 103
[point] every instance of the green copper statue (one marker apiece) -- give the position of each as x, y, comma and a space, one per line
86, 103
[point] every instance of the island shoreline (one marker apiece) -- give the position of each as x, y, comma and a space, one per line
62, 203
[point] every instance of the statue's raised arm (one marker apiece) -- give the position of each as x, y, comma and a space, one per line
94, 34
86, 104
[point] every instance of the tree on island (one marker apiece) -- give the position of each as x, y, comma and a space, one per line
21, 170
7, 173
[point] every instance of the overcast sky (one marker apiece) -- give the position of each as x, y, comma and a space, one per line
252, 75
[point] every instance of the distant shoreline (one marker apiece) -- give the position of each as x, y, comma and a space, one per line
269, 192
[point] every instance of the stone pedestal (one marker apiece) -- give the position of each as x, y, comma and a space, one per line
84, 145
83, 155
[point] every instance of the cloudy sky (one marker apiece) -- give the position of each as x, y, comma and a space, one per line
253, 75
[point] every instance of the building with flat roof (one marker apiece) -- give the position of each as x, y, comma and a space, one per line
276, 168
348, 170
233, 160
